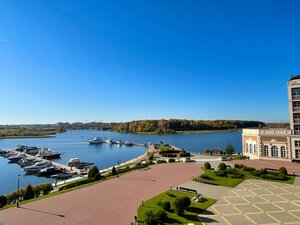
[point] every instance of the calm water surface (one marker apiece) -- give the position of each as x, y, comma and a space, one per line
74, 144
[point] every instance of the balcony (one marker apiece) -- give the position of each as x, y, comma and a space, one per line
296, 97
297, 132
297, 120
296, 109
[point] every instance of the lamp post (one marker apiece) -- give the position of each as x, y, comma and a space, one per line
18, 190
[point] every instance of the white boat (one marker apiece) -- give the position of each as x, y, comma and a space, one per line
16, 158
46, 153
73, 162
31, 150
63, 176
38, 166
119, 142
96, 140
109, 141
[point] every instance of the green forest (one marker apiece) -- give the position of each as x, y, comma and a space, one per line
176, 126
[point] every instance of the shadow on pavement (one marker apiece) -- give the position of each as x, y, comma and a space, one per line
39, 211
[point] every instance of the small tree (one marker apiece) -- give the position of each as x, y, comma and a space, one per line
186, 202
29, 193
282, 170
97, 177
166, 206
93, 171
229, 149
114, 171
37, 191
46, 188
207, 165
3, 201
178, 206
222, 166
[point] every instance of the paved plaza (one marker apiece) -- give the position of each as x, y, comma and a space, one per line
255, 202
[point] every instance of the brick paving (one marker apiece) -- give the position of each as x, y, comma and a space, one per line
113, 202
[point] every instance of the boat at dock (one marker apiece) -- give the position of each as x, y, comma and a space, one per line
28, 162
46, 153
96, 140
38, 166
63, 175
49, 171
109, 141
16, 158
128, 143
31, 150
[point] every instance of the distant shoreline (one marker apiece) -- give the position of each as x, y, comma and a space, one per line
183, 132
17, 137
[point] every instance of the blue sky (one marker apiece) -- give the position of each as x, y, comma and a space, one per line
128, 60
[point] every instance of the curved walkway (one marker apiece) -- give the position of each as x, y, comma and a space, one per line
113, 202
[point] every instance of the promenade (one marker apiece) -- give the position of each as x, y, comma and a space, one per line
112, 202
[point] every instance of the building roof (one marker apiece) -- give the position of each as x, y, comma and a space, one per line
295, 77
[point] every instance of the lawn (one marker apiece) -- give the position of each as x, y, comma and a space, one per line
189, 216
233, 182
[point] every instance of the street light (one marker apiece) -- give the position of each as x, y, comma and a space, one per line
18, 190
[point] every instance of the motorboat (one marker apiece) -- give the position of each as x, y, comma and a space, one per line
128, 143
119, 142
84, 165
3, 152
28, 162
16, 158
48, 171
46, 153
96, 140
20, 148
32, 150
73, 162
38, 166
63, 176
109, 141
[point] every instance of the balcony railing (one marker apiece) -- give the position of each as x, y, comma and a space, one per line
297, 120
296, 109
297, 132
295, 97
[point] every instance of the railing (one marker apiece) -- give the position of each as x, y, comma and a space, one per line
295, 97
296, 109
297, 132
297, 120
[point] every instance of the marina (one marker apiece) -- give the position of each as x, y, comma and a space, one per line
74, 144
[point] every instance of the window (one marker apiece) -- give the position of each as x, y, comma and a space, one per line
274, 151
266, 150
247, 147
251, 150
297, 143
283, 152
254, 149
297, 154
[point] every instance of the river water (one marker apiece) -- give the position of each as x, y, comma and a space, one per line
73, 144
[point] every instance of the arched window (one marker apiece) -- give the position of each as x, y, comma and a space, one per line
254, 149
251, 150
247, 147
283, 152
266, 150
274, 151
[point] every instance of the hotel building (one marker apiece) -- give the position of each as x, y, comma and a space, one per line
280, 144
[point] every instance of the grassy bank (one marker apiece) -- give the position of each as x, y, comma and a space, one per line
190, 215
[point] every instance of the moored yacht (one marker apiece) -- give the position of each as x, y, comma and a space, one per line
109, 141
96, 140
128, 143
46, 153
16, 158
38, 166
31, 150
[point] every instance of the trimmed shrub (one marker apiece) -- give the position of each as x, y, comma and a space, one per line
29, 193
37, 190
178, 206
93, 171
246, 168
186, 202
97, 177
171, 195
46, 188
256, 173
282, 170
166, 206
221, 173
207, 165
238, 166
150, 218
161, 161
3, 201
12, 197
263, 171
171, 160
113, 171
204, 176
222, 166
161, 215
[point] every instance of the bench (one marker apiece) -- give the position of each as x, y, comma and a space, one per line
206, 181
270, 169
188, 190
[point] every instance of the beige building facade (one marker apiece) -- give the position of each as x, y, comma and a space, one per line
279, 144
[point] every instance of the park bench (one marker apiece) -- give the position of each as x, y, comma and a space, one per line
206, 181
270, 169
188, 190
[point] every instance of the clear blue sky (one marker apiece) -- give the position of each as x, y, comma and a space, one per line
126, 60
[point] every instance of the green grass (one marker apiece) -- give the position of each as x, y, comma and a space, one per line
189, 216
233, 182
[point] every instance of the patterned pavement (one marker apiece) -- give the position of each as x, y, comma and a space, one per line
256, 202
